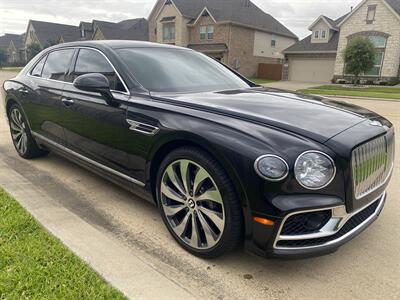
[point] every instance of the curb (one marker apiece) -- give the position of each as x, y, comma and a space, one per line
117, 264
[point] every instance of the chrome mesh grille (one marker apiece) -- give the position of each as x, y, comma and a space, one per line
372, 163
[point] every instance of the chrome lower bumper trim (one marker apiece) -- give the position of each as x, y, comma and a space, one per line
87, 160
333, 226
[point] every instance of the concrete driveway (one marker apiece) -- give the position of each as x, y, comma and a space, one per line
292, 85
366, 268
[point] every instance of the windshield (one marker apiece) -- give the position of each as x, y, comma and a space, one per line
178, 70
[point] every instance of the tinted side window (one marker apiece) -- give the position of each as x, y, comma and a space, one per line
90, 61
37, 70
57, 64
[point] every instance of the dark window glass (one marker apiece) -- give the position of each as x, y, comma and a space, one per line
91, 61
57, 64
371, 14
37, 70
172, 70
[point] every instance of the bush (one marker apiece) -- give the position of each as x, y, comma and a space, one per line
32, 50
359, 57
3, 57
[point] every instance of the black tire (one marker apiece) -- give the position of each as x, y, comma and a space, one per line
31, 149
232, 233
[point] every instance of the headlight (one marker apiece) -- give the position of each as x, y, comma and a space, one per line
271, 167
314, 170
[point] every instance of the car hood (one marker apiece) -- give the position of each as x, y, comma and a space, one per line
314, 117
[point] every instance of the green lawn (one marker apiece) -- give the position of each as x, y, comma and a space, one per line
35, 265
261, 81
370, 92
11, 69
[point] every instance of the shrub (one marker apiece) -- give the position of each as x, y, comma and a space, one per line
359, 57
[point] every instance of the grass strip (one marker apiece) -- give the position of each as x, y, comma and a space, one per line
36, 265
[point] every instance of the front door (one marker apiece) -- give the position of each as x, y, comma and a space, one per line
97, 130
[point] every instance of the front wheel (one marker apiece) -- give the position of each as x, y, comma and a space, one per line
21, 135
198, 203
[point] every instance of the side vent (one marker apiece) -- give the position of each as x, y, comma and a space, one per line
142, 128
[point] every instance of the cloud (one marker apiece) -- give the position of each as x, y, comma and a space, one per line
297, 15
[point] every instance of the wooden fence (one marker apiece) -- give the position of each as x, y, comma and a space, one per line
270, 71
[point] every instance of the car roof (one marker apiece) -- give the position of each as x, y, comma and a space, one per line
116, 44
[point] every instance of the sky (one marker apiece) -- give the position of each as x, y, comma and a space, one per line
297, 15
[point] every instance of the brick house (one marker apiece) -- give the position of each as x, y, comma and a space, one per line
318, 57
46, 34
236, 32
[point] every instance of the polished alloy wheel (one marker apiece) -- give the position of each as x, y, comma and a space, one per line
18, 131
192, 204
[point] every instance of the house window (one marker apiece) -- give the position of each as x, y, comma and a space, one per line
203, 31
371, 14
323, 34
273, 41
169, 31
316, 34
210, 32
380, 45
207, 32
376, 69
378, 41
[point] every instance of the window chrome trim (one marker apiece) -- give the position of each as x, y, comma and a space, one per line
265, 177
88, 160
325, 185
332, 227
70, 83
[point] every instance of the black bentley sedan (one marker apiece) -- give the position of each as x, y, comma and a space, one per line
224, 159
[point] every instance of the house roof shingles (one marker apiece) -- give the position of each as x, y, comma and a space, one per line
305, 45
132, 29
48, 33
395, 4
237, 11
6, 39
217, 47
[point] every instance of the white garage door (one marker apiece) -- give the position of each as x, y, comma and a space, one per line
311, 70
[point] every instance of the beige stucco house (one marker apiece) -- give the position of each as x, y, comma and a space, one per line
236, 32
318, 57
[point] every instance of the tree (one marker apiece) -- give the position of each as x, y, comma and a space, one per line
359, 57
3, 57
50, 43
32, 50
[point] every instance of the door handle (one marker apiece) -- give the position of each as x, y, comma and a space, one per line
67, 101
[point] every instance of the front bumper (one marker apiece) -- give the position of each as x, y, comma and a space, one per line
341, 228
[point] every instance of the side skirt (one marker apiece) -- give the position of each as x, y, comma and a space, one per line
128, 183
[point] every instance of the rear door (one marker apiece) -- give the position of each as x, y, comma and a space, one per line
97, 130
45, 110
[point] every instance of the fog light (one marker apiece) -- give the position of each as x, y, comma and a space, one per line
306, 223
315, 221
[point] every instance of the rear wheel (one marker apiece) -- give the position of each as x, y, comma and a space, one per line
21, 135
198, 203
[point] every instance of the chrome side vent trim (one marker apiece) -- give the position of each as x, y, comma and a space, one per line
142, 127
372, 164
